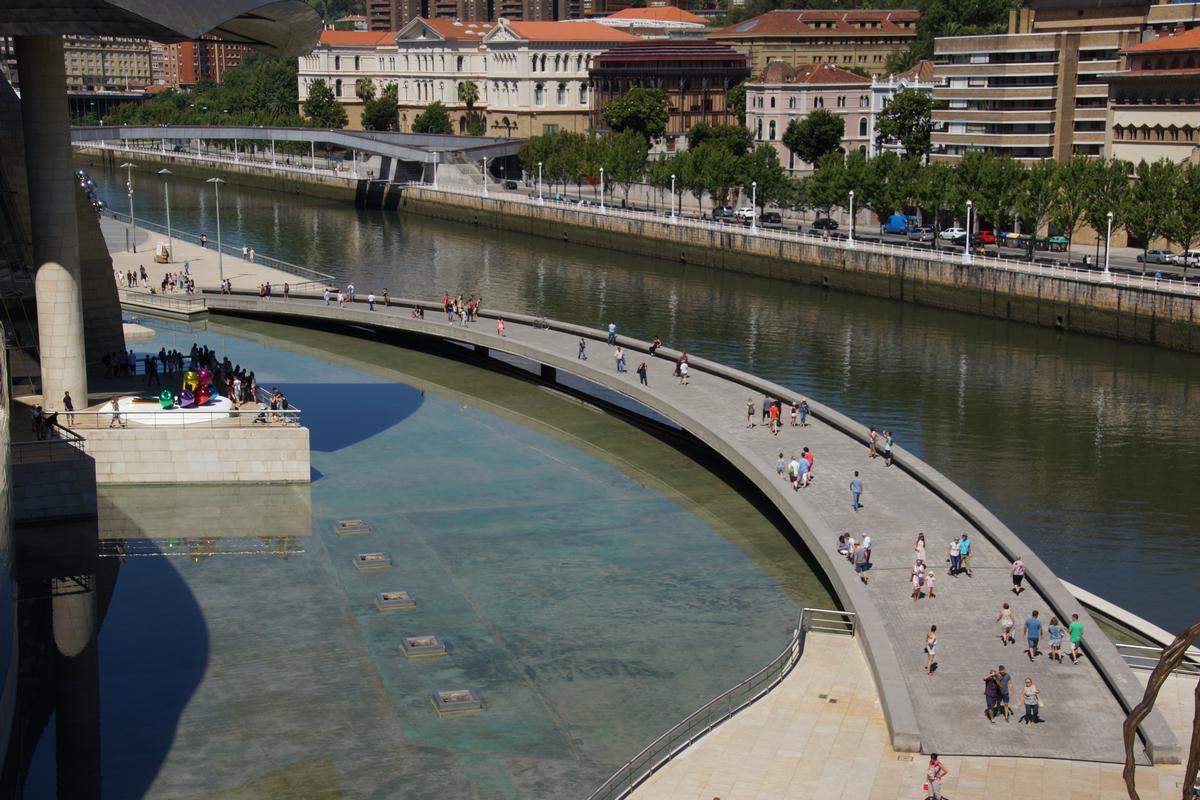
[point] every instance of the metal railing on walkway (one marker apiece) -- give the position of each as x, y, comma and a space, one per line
61, 444
1066, 271
722, 707
314, 277
220, 156
249, 416
179, 304
1145, 657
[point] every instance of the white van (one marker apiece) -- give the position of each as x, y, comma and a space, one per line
1188, 258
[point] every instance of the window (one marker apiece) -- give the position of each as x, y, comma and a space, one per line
772, 102
357, 64
819, 102
337, 88
337, 62
539, 94
534, 64
583, 94
863, 101
549, 128
771, 130
862, 127
758, 129
841, 101
562, 94
791, 102
460, 64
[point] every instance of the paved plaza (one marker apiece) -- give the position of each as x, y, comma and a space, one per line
1082, 717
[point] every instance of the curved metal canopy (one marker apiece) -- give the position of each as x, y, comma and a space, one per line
279, 27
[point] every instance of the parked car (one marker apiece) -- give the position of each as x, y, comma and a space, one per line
745, 213
825, 224
1157, 257
770, 219
899, 223
987, 237
1188, 258
722, 212
921, 233
953, 234
512, 185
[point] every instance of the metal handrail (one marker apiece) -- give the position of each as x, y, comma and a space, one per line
248, 416
1066, 272
722, 707
62, 440
185, 303
1146, 657
192, 155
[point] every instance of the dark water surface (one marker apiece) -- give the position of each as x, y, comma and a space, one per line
1086, 447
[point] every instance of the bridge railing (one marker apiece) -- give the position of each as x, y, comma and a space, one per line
62, 444
1165, 285
305, 164
1145, 657
721, 707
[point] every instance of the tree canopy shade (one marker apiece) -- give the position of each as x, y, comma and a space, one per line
1148, 204
434, 119
907, 120
623, 156
640, 109
736, 138
321, 108
381, 113
815, 135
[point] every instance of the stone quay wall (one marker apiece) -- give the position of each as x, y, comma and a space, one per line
200, 454
1131, 313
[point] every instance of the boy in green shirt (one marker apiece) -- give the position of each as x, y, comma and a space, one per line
1076, 634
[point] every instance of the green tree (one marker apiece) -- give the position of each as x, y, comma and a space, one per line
735, 102
735, 138
364, 89
828, 187
1003, 181
322, 109
907, 120
1183, 226
1039, 194
761, 166
718, 169
817, 134
690, 176
382, 113
1148, 206
534, 150
658, 175
434, 119
1104, 188
623, 156
640, 109
468, 94
1067, 213
936, 190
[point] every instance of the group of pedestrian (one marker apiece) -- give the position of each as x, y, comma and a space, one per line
133, 278
119, 364
880, 445
857, 553
920, 577
798, 470
772, 413
459, 310
248, 253
176, 281
266, 291
958, 556
45, 425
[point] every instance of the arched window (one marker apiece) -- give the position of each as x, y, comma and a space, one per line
543, 63
562, 94
758, 129
337, 62
337, 88
357, 64
578, 62
539, 94
841, 101
791, 102
772, 102
819, 102
862, 127
771, 130
583, 94
459, 65
535, 63
863, 101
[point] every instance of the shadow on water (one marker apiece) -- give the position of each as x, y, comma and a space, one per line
352, 413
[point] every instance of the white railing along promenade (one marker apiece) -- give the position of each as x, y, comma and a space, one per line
221, 157
723, 706
1068, 272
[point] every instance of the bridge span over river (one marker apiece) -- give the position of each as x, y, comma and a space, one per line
942, 712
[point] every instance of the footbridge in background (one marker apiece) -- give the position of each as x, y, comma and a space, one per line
941, 712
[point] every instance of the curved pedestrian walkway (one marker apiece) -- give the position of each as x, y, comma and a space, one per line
942, 712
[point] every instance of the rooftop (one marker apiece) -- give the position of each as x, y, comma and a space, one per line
451, 29
921, 73
815, 74
567, 32
659, 14
670, 50
1173, 43
797, 23
356, 38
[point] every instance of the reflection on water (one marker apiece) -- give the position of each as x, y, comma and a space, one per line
1083, 446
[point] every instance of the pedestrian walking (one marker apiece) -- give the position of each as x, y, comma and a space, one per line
807, 455
991, 696
952, 556
641, 371
872, 436
803, 412
117, 419
866, 545
1008, 621
750, 412
370, 301
1055, 634
1003, 679
930, 649
964, 554
582, 350
794, 473
930, 584
683, 373
1018, 575
1033, 701
245, 252
780, 465
766, 409
774, 419
934, 774
1075, 631
69, 407
251, 255
612, 333
919, 547
203, 241
856, 490
286, 291
802, 471
887, 448
387, 298
1033, 634
619, 357
861, 563
187, 267
499, 326
326, 295
917, 578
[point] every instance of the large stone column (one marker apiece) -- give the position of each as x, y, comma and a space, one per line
52, 204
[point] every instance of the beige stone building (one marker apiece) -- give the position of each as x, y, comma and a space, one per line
1154, 102
1041, 90
862, 38
112, 63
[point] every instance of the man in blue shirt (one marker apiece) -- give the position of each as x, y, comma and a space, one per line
964, 554
856, 489
612, 333
1033, 634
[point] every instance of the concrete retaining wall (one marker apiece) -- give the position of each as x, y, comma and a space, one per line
200, 454
1120, 312
58, 489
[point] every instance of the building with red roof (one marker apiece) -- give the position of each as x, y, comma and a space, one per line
1154, 101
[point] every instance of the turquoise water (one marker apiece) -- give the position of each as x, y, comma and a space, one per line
588, 609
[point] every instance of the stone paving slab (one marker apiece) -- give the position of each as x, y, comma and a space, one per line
949, 704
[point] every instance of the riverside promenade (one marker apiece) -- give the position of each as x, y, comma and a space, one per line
942, 712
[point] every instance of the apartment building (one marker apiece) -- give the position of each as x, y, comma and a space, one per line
1041, 90
107, 63
1154, 102
531, 77
392, 15
860, 39
189, 63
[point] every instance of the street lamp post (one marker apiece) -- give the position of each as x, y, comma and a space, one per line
485, 189
128, 167
1107, 248
672, 197
540, 200
167, 193
602, 190
754, 208
216, 182
851, 239
967, 242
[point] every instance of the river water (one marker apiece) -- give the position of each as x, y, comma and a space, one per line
1085, 447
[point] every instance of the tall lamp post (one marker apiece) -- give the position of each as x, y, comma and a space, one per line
753, 208
672, 197
602, 190
967, 242
485, 189
1107, 248
216, 182
540, 200
128, 167
851, 239
167, 193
